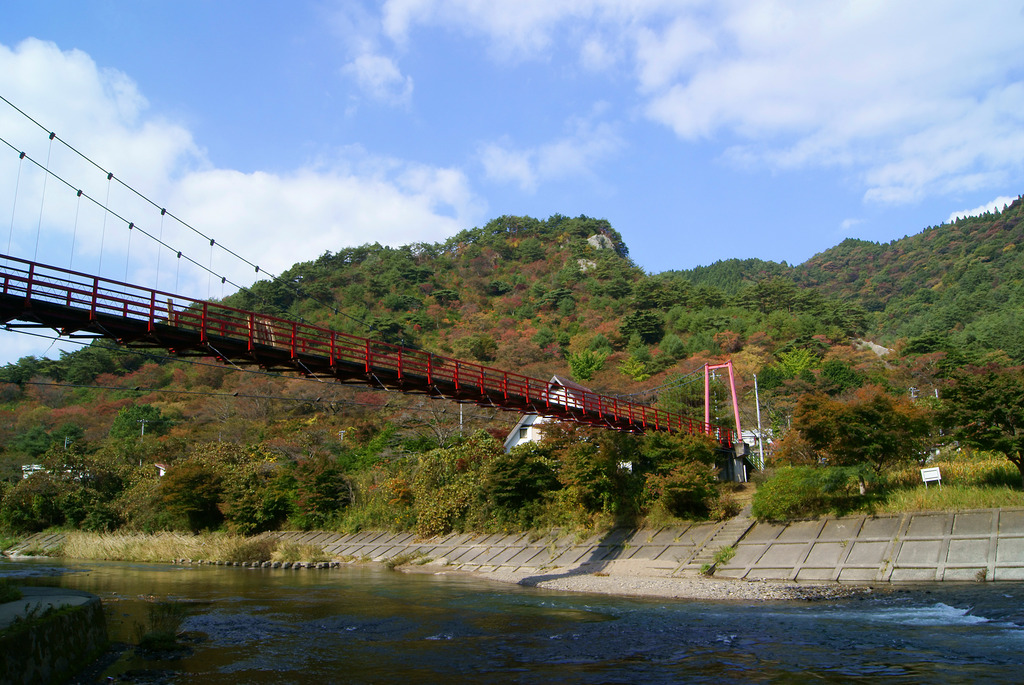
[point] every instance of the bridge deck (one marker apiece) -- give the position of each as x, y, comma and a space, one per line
77, 304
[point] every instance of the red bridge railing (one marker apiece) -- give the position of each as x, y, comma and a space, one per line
70, 301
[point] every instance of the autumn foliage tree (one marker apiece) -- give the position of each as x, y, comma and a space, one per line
873, 428
984, 407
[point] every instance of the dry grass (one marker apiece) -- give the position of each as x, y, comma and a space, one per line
294, 551
165, 547
949, 498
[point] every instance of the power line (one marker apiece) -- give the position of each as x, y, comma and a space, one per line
164, 212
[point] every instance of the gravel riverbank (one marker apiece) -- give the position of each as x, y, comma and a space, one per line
701, 588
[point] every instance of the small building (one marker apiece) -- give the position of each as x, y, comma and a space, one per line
28, 469
161, 469
561, 391
565, 392
527, 430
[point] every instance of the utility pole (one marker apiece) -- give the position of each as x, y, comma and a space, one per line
142, 435
760, 437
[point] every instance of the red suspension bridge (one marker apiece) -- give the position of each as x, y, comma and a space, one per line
80, 305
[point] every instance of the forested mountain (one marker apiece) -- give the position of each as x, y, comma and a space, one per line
539, 297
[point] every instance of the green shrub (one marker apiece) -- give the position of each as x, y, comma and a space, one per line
445, 484
686, 491
804, 491
322, 491
513, 487
9, 592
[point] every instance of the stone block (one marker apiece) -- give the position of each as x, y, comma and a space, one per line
669, 536
770, 573
571, 556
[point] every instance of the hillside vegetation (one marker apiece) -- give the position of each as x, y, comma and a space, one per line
253, 451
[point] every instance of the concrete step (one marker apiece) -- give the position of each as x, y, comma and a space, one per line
730, 533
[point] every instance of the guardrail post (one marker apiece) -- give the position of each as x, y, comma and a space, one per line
29, 282
152, 310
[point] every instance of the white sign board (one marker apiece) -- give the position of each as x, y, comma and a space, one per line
931, 475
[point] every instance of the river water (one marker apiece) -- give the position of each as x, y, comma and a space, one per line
365, 625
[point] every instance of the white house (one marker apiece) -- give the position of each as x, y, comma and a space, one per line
527, 430
561, 391
566, 392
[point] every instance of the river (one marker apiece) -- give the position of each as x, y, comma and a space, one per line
367, 625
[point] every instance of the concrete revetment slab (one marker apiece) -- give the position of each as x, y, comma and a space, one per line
928, 525
825, 554
907, 575
867, 554
783, 554
968, 551
1010, 551
763, 532
974, 523
1011, 522
746, 556
841, 529
800, 531
914, 552
885, 527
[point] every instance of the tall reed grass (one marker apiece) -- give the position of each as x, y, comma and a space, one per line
165, 547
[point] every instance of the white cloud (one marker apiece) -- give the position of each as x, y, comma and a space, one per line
272, 219
995, 205
573, 155
914, 98
380, 78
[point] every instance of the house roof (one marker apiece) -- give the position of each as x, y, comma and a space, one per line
567, 384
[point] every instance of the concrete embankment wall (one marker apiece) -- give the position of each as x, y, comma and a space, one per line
59, 633
974, 545
930, 546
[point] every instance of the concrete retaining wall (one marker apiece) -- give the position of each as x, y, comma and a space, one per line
65, 630
973, 545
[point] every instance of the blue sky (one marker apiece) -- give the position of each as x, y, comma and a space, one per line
702, 130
